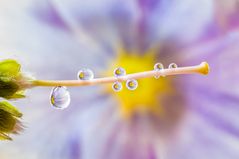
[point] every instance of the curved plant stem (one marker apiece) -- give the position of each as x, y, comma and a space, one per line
203, 68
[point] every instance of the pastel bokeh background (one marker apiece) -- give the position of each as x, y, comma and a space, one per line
53, 39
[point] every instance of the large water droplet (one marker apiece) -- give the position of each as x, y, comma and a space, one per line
132, 84
158, 67
118, 72
60, 97
172, 65
85, 74
117, 86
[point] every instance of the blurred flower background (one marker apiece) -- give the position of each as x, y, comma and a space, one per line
180, 117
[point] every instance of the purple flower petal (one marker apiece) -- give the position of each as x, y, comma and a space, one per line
46, 11
183, 21
210, 129
222, 57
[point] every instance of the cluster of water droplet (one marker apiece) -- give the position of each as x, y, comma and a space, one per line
118, 72
130, 84
159, 68
60, 96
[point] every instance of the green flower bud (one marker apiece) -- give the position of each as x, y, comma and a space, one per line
12, 81
9, 120
12, 86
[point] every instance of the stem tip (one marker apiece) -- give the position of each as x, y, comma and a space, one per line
204, 69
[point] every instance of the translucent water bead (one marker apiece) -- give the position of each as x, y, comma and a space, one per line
132, 84
60, 97
158, 67
118, 72
117, 86
172, 65
85, 74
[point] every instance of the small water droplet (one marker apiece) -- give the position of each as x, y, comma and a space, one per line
118, 72
60, 97
132, 84
85, 74
172, 65
117, 86
158, 67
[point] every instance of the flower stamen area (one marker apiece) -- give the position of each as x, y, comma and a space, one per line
146, 98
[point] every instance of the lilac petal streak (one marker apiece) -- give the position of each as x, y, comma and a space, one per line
210, 129
222, 55
47, 12
183, 20
212, 104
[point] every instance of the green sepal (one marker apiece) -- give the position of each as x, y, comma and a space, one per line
17, 95
9, 68
4, 137
6, 106
10, 80
9, 120
8, 87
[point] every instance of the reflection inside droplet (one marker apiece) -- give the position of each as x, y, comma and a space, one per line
158, 67
85, 74
60, 97
172, 65
132, 84
117, 86
118, 72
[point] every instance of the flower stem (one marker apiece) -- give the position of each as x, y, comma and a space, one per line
203, 68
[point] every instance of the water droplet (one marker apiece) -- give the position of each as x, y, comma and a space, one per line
60, 97
118, 72
85, 74
158, 67
117, 86
131, 84
172, 65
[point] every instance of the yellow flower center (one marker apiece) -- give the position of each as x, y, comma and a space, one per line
146, 98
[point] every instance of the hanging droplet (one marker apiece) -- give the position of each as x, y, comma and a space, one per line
118, 72
131, 84
158, 67
85, 74
60, 97
117, 86
172, 65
